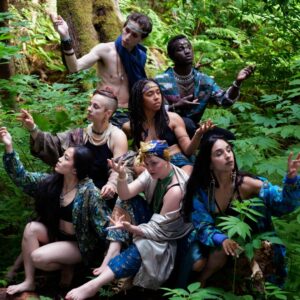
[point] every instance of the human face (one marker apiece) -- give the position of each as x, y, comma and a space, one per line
222, 158
130, 35
183, 52
152, 97
156, 166
97, 110
65, 164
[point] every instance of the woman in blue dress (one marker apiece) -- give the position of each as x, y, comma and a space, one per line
213, 184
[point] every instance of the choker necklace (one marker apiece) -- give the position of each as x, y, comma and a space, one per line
96, 132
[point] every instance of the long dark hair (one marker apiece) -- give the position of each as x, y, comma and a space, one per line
137, 115
47, 202
201, 175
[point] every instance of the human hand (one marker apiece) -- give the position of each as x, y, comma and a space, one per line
244, 73
118, 223
293, 165
204, 127
118, 167
231, 247
6, 139
60, 26
26, 118
108, 191
187, 100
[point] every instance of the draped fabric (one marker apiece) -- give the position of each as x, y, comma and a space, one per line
133, 62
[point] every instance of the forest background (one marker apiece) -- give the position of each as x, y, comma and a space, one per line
226, 35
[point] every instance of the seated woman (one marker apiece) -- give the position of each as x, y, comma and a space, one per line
214, 183
151, 256
101, 137
72, 217
149, 120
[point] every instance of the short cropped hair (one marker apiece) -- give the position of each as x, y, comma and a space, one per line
143, 20
111, 101
170, 47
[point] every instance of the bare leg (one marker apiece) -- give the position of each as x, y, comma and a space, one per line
90, 288
113, 250
34, 234
51, 257
15, 267
216, 261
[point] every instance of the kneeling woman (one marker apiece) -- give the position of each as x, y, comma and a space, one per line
72, 218
151, 256
214, 183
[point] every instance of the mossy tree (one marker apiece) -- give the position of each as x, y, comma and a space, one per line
90, 22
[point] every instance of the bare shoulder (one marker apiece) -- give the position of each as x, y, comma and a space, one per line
104, 49
175, 118
250, 187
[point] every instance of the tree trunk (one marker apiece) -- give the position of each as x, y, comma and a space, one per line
90, 22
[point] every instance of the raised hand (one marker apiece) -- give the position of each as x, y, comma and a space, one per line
204, 127
26, 118
118, 167
6, 139
60, 26
245, 73
293, 165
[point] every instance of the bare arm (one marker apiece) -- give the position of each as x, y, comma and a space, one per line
118, 146
188, 146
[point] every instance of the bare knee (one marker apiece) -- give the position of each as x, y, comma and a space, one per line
36, 231
39, 259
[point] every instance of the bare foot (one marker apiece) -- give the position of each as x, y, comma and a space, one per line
85, 291
22, 287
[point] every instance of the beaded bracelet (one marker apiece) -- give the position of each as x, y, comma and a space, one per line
67, 44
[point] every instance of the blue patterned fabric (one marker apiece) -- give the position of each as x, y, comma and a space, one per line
127, 263
205, 89
277, 201
89, 210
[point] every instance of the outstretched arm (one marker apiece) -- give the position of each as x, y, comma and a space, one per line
243, 74
27, 181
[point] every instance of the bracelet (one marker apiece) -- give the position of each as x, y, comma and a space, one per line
235, 84
35, 128
67, 44
68, 54
122, 179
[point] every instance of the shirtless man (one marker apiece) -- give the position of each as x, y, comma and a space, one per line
119, 64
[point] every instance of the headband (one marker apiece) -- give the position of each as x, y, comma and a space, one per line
135, 28
149, 85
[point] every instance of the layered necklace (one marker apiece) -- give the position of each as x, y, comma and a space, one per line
185, 83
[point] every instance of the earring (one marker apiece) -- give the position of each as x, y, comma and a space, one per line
233, 177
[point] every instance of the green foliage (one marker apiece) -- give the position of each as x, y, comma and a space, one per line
195, 292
